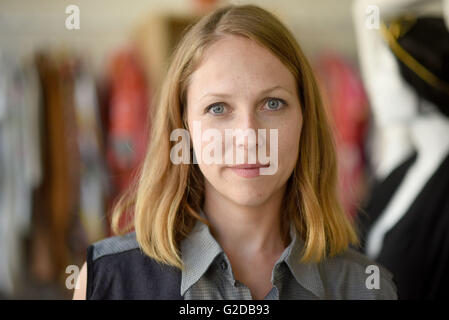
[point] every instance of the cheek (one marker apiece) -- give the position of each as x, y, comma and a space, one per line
288, 142
200, 148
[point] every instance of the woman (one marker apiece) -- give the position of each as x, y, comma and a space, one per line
266, 229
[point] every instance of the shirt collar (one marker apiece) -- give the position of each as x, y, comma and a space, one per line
306, 274
200, 249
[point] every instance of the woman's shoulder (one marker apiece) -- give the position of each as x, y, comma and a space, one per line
117, 268
352, 275
114, 245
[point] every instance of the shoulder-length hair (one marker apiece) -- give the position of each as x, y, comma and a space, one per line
166, 198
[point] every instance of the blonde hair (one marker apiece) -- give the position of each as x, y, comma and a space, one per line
166, 199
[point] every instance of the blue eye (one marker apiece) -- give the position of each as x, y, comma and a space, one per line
275, 104
216, 109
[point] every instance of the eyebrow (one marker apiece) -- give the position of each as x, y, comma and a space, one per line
225, 95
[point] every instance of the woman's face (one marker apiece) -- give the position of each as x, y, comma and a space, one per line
242, 85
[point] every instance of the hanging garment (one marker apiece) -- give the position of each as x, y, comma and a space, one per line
57, 198
416, 249
380, 195
93, 171
128, 126
20, 166
415, 244
346, 100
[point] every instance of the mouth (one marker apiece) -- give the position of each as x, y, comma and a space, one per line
250, 166
248, 170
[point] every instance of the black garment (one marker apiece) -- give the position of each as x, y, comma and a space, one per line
416, 249
117, 269
380, 195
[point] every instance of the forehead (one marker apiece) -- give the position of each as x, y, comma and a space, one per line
236, 62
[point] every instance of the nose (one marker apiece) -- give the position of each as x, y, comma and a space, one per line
247, 127
247, 119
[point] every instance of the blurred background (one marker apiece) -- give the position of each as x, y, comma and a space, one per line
74, 104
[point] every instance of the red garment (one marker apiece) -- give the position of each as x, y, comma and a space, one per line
127, 125
343, 94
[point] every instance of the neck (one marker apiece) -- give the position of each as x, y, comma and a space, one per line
395, 146
246, 231
430, 136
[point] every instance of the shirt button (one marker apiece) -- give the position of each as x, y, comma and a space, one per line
224, 265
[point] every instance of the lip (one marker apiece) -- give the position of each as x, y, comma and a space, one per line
248, 170
249, 166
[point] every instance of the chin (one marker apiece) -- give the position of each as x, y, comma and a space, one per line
247, 195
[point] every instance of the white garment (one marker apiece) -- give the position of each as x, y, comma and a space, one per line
20, 164
93, 174
430, 134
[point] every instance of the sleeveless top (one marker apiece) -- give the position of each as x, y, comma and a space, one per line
118, 269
